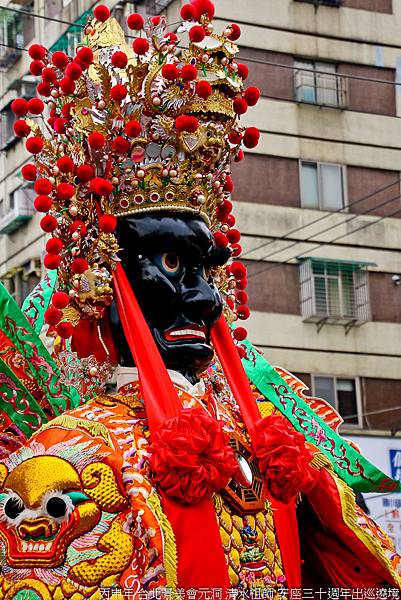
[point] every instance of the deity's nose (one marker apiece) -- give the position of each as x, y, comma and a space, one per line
200, 301
37, 528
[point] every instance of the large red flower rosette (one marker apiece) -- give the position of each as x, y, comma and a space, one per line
190, 456
284, 458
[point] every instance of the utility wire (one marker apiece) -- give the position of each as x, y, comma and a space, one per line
287, 261
314, 235
323, 217
251, 60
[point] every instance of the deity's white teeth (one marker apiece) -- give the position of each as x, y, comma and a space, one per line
24, 546
48, 546
191, 332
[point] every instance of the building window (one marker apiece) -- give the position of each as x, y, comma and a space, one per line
319, 83
334, 292
342, 394
69, 41
322, 185
21, 280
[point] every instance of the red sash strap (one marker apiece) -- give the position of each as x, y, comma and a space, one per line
285, 519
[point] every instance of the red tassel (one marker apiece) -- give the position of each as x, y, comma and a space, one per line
160, 396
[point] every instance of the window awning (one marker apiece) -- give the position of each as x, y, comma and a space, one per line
343, 265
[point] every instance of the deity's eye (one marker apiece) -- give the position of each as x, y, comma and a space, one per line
56, 507
13, 507
170, 263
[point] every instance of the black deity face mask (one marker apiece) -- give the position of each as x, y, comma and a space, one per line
168, 261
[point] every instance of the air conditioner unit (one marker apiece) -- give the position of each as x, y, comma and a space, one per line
32, 267
21, 212
8, 56
329, 2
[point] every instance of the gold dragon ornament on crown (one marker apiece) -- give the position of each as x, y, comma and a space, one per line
131, 129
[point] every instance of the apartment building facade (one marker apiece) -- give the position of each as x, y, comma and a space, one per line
318, 201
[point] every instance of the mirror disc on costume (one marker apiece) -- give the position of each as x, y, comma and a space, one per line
245, 468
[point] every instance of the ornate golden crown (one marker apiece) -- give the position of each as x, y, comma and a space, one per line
133, 129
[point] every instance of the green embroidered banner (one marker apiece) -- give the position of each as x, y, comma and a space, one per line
38, 301
347, 462
41, 365
18, 403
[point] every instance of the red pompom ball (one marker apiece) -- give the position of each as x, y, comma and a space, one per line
233, 236
85, 55
36, 67
65, 164
140, 46
85, 173
189, 72
220, 239
107, 223
119, 60
43, 89
19, 107
204, 89
235, 137
203, 7
243, 312
65, 330
101, 12
187, 123
121, 145
43, 186
53, 315
236, 249
96, 140
37, 52
242, 297
67, 85
60, 300
242, 284
66, 110
135, 21
79, 265
238, 269
171, 36
48, 223
240, 106
36, 106
235, 32
197, 34
77, 226
51, 261
230, 220
188, 12
42, 203
49, 75
228, 185
243, 71
65, 191
240, 334
118, 92
21, 128
73, 71
54, 245
101, 186
34, 145
29, 172
251, 137
133, 128
240, 156
60, 125
226, 207
60, 59
252, 95
170, 72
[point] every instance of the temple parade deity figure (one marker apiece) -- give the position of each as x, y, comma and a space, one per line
205, 468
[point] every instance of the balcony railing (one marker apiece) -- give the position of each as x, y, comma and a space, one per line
21, 211
318, 87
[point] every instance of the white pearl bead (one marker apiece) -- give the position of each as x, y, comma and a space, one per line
173, 173
140, 174
101, 104
75, 236
73, 210
156, 101
93, 371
